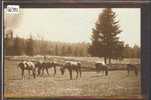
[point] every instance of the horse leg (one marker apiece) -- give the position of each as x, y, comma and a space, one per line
77, 74
43, 71
70, 72
28, 74
22, 73
34, 74
106, 72
54, 70
80, 72
38, 72
128, 71
136, 71
47, 71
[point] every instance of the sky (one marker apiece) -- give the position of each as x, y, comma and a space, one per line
70, 24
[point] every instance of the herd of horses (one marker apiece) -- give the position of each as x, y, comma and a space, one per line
38, 68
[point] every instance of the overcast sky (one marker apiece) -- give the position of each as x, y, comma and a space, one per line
71, 25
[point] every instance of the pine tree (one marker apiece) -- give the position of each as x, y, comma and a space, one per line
105, 40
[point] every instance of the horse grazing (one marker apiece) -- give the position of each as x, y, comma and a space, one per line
45, 66
131, 67
39, 67
101, 67
29, 66
72, 66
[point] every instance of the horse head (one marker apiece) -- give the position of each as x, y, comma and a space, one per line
20, 65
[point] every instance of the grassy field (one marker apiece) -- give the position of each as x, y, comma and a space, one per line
117, 83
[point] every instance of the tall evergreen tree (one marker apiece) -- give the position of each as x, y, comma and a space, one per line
105, 40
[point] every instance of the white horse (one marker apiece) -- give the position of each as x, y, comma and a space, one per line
27, 65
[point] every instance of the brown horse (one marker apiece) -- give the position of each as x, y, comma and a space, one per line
131, 67
72, 66
101, 67
29, 66
44, 66
39, 67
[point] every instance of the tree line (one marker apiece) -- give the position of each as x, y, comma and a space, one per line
19, 46
30, 47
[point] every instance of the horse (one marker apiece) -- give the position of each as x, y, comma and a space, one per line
101, 67
29, 66
39, 67
131, 67
46, 66
72, 66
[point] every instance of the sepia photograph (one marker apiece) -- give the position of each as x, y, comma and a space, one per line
53, 52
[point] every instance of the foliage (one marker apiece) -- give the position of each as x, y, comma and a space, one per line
30, 46
105, 40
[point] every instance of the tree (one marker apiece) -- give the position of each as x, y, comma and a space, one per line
131, 52
56, 50
105, 40
69, 51
136, 51
30, 46
63, 51
76, 51
17, 47
9, 42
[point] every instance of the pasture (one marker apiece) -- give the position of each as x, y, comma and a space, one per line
117, 83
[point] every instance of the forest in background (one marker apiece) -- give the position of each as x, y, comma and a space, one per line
17, 46
30, 47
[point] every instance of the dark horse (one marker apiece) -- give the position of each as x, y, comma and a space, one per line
101, 67
38, 66
131, 67
44, 66
72, 66
30, 66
